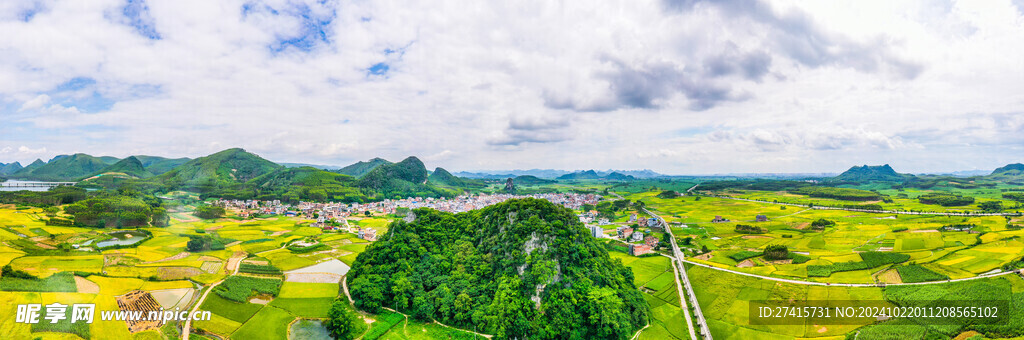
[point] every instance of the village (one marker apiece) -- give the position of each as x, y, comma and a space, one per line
332, 216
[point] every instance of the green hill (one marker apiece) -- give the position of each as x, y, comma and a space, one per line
38, 163
531, 180
442, 177
159, 165
1008, 172
361, 168
865, 174
524, 268
1013, 169
619, 177
10, 168
130, 166
225, 167
63, 168
307, 183
589, 174
400, 180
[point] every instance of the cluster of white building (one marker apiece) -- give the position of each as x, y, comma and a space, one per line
470, 202
338, 212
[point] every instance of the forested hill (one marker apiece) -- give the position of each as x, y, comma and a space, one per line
228, 166
441, 176
64, 167
589, 174
130, 166
10, 168
531, 180
1009, 168
361, 168
525, 268
399, 180
864, 174
159, 165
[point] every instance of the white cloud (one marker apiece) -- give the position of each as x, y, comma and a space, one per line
35, 103
472, 85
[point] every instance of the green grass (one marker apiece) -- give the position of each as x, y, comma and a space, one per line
258, 269
60, 282
217, 325
236, 311
269, 323
385, 321
917, 273
743, 255
304, 307
63, 326
309, 290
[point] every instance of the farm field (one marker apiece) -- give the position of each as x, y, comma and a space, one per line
162, 264
920, 239
279, 287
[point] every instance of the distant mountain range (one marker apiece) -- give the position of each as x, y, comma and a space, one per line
238, 166
316, 166
550, 173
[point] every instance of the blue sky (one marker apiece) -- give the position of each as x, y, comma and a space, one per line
677, 86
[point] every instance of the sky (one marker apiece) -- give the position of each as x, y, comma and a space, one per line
675, 86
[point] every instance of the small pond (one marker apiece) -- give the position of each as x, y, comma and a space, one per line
308, 330
124, 238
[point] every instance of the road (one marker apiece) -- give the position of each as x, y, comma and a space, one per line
188, 323
682, 300
705, 332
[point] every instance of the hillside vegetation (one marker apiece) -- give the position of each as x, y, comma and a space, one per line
361, 168
130, 166
225, 167
866, 174
525, 268
63, 168
307, 183
402, 179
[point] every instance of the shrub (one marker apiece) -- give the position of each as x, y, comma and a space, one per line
798, 258
945, 199
846, 194
240, 288
258, 269
747, 229
743, 255
917, 273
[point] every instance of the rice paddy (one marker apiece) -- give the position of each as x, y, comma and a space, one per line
163, 266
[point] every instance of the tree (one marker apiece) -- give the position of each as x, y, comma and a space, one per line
704, 249
196, 244
367, 213
991, 206
209, 212
340, 321
776, 252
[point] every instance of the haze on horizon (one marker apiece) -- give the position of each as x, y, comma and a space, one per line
675, 86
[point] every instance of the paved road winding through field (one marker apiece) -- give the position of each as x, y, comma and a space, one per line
188, 323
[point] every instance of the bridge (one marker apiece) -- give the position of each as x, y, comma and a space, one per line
19, 184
